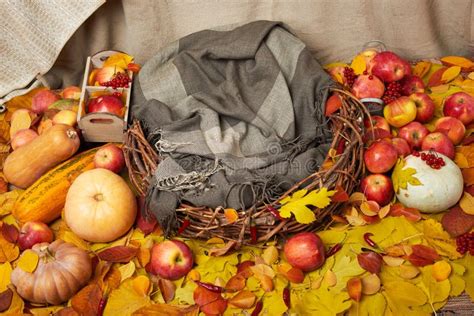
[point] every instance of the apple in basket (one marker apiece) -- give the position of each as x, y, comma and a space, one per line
171, 259
106, 103
389, 67
110, 157
305, 251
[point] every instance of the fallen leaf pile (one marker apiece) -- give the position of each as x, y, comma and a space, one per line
389, 260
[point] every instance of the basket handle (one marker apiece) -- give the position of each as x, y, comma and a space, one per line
376, 44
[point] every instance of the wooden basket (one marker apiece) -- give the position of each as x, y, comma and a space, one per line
259, 223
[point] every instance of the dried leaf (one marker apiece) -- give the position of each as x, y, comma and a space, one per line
10, 232
294, 275
167, 289
16, 306
167, 310
370, 284
263, 269
5, 272
435, 79
468, 176
464, 63
143, 256
297, 204
121, 254
467, 203
340, 195
450, 74
28, 261
113, 278
231, 215
370, 261
409, 213
409, 272
421, 68
440, 240
87, 300
422, 255
141, 284
5, 299
244, 299
125, 300
8, 251
384, 211
127, 270
393, 261
330, 278
21, 120
456, 222
370, 208
4, 132
215, 241
358, 64
118, 60
69, 236
235, 283
3, 183
7, 200
402, 176
209, 302
354, 288
333, 104
270, 255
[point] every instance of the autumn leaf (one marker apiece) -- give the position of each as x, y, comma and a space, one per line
8, 251
5, 299
28, 261
127, 270
421, 68
464, 63
402, 176
244, 299
439, 239
16, 306
113, 278
297, 204
118, 60
141, 284
5, 272
450, 74
401, 296
468, 176
167, 310
87, 300
9, 232
122, 254
467, 203
22, 120
167, 289
7, 200
125, 300
358, 64
436, 292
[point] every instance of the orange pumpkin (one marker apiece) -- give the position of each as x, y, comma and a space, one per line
100, 207
62, 270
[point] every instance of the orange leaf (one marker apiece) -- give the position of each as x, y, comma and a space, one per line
67, 311
466, 64
167, 310
194, 275
5, 299
450, 74
333, 104
231, 215
468, 176
217, 307
113, 278
10, 232
87, 300
354, 288
411, 214
340, 195
295, 275
370, 208
3, 185
143, 256
122, 254
244, 299
244, 268
8, 251
235, 283
467, 203
421, 68
203, 296
435, 79
141, 284
167, 289
466, 152
135, 68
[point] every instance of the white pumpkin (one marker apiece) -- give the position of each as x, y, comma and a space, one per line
100, 207
438, 189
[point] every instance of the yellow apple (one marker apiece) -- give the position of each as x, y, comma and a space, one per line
400, 112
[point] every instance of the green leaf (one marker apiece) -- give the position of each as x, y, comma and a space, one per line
401, 176
298, 203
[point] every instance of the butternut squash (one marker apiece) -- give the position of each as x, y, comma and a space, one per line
44, 200
28, 163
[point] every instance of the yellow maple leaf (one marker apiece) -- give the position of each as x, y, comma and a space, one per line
401, 176
358, 64
297, 204
119, 60
28, 261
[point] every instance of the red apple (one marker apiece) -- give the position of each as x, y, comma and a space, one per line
401, 146
377, 122
106, 103
461, 106
378, 188
368, 86
438, 142
171, 259
23, 137
305, 251
72, 92
452, 127
42, 99
400, 112
425, 107
32, 233
389, 67
411, 84
380, 157
413, 133
110, 157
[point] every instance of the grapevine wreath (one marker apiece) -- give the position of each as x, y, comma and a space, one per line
261, 219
